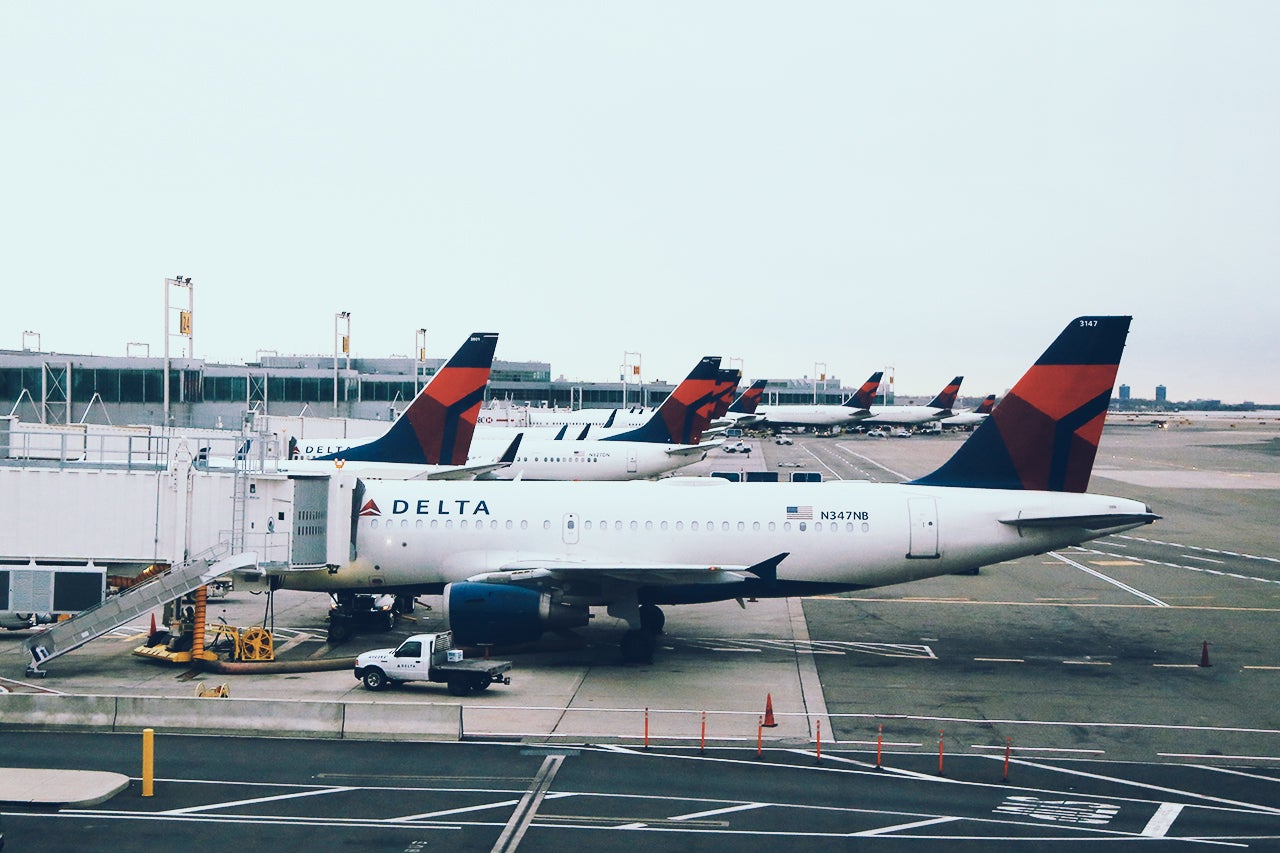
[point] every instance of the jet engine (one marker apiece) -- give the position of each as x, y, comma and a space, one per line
502, 614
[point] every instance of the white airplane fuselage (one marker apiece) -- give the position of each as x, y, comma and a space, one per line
846, 534
903, 415
809, 416
547, 459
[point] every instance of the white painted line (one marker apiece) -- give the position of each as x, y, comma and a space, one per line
871, 461
1040, 749
1176, 665
823, 464
1160, 822
1100, 576
1001, 660
1220, 757
255, 801
884, 830
1202, 559
713, 812
1268, 668
1087, 662
465, 809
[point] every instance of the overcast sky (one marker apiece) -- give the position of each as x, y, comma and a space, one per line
938, 187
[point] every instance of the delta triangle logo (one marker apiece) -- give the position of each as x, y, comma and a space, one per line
370, 508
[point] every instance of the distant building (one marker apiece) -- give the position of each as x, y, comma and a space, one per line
1124, 392
1162, 395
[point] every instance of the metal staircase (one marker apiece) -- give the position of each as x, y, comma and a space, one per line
116, 610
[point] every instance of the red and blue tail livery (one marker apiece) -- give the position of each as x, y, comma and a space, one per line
686, 413
1044, 434
437, 427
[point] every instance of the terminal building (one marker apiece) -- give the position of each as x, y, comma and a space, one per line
61, 388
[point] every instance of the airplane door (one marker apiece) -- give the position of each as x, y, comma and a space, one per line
924, 529
631, 462
570, 528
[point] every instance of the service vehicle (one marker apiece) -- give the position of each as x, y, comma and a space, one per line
782, 439
429, 657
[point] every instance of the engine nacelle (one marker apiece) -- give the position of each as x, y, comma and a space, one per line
501, 614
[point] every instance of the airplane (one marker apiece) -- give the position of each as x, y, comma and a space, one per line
822, 416
515, 560
429, 440
937, 408
969, 420
668, 440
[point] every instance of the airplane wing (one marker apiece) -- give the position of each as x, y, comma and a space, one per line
470, 472
550, 570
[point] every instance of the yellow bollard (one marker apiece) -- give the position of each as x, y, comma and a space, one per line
148, 762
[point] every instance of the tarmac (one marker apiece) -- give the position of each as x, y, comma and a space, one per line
1097, 655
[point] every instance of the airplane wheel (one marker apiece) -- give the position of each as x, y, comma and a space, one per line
652, 619
638, 646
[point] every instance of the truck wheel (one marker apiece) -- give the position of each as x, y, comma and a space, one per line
375, 679
480, 684
459, 687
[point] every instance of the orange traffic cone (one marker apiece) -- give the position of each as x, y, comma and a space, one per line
153, 625
1204, 654
769, 721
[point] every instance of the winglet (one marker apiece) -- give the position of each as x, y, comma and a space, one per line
768, 570
1044, 434
509, 455
437, 427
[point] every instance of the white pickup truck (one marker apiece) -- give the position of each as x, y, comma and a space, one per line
429, 657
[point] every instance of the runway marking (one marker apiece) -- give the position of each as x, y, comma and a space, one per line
1202, 559
1266, 668
1231, 772
726, 810
1000, 660
1147, 785
813, 647
1199, 548
871, 461
1100, 576
1038, 749
1222, 758
255, 801
823, 464
884, 830
1087, 663
527, 808
1160, 822
1204, 571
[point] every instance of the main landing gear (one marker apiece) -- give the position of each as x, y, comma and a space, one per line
638, 645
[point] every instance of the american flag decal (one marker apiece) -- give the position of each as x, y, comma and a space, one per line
802, 513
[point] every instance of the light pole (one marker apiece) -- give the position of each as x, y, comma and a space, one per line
419, 357
887, 382
341, 342
629, 368
184, 329
816, 365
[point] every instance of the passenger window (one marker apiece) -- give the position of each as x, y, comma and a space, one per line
693, 525
648, 525
772, 526
635, 525
724, 525
373, 525
434, 524
546, 525
803, 526
679, 525
463, 524
786, 526
418, 523
509, 524
524, 524
663, 525
755, 525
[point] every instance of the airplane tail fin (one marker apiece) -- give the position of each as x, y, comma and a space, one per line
947, 396
866, 395
1044, 434
749, 399
987, 404
437, 427
727, 384
684, 415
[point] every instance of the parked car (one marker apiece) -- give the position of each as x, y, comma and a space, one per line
878, 432
782, 439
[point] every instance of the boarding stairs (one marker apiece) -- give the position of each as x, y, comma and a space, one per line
116, 610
